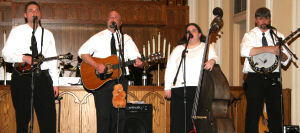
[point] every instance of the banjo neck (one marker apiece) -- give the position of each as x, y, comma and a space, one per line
290, 36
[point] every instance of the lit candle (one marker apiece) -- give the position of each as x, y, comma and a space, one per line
4, 38
164, 48
158, 42
153, 42
169, 47
144, 50
149, 48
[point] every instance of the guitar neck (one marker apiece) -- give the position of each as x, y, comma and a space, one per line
50, 58
127, 63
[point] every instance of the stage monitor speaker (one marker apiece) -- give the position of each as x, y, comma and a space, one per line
138, 118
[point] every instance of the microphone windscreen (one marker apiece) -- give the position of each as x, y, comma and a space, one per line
114, 24
270, 27
190, 34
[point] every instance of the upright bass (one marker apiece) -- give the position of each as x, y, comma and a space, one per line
210, 108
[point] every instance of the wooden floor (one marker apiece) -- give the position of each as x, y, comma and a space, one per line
78, 109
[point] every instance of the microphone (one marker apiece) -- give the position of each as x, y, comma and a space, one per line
34, 23
34, 18
270, 27
114, 24
190, 34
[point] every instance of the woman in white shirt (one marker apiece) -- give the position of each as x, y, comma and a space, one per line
193, 64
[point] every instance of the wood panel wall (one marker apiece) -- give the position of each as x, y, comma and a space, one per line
74, 21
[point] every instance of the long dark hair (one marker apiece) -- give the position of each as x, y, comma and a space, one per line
184, 39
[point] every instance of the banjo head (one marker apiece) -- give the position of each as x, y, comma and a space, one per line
264, 63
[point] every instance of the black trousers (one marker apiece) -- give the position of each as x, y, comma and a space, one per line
44, 101
260, 88
177, 109
107, 115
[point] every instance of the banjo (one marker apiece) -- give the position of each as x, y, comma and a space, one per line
267, 62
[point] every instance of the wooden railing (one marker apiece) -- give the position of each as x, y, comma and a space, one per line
78, 114
78, 109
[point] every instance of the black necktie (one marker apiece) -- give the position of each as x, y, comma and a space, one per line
264, 40
34, 47
113, 45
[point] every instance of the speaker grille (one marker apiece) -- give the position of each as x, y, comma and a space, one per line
138, 118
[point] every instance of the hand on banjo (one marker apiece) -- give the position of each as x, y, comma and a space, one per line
276, 51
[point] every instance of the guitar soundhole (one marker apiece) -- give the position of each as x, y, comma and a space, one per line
108, 69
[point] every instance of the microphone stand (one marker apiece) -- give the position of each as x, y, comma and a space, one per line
33, 44
280, 73
183, 58
121, 65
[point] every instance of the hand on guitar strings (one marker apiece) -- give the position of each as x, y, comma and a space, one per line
100, 67
276, 51
27, 59
138, 63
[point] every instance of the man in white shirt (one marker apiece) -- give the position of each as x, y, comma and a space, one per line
103, 45
260, 87
45, 82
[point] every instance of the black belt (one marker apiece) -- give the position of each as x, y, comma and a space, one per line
15, 72
265, 74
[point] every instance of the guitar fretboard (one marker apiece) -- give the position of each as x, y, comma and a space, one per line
127, 63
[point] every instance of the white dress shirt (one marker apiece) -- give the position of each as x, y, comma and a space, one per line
193, 65
253, 39
99, 46
19, 43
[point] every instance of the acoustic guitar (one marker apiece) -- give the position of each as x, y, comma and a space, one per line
24, 68
93, 80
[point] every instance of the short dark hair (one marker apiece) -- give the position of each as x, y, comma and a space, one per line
31, 3
28, 4
263, 12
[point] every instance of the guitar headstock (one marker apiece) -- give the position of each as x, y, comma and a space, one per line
156, 58
68, 56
